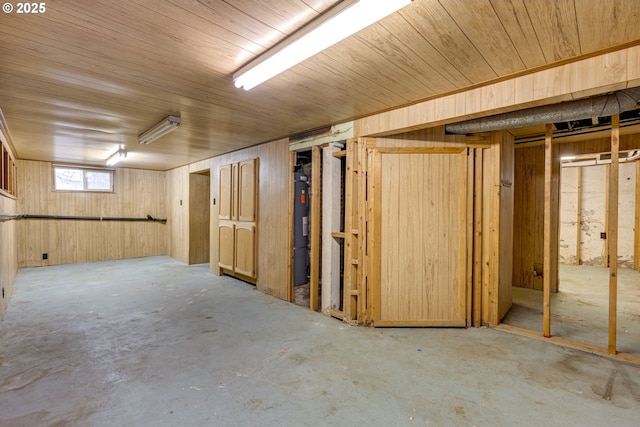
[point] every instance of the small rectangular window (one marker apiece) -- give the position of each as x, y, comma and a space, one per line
69, 178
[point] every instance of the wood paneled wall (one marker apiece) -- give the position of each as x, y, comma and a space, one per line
199, 217
273, 217
138, 193
178, 223
600, 74
8, 252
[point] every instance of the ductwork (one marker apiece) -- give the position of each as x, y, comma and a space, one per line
598, 106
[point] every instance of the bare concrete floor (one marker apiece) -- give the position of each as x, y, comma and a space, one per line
580, 311
153, 342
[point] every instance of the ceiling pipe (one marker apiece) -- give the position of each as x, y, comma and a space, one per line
598, 106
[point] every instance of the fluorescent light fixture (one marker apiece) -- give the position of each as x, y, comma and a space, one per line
164, 127
340, 22
121, 154
565, 158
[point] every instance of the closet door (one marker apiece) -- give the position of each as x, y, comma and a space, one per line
225, 192
226, 241
245, 250
247, 190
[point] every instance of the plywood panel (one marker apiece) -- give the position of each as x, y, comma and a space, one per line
138, 193
245, 250
423, 239
178, 209
226, 242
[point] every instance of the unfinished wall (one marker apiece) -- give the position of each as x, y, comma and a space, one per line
138, 193
529, 196
593, 215
8, 252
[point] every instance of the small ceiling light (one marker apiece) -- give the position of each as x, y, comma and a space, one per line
164, 127
340, 22
116, 157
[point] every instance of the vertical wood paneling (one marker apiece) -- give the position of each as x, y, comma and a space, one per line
138, 193
272, 233
199, 217
178, 190
636, 254
8, 253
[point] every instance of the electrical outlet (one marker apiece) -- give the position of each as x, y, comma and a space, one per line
45, 256
603, 235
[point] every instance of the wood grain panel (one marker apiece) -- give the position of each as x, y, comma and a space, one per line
138, 193
245, 250
226, 245
606, 23
247, 195
225, 192
8, 252
517, 23
199, 217
556, 28
178, 208
486, 32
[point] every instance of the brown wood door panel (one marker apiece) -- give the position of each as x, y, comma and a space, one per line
225, 194
226, 239
420, 222
247, 190
245, 250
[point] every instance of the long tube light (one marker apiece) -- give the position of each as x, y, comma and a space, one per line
168, 124
342, 21
116, 157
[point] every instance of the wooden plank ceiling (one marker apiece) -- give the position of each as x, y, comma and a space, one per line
86, 76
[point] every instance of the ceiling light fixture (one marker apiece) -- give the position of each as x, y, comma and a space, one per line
340, 22
116, 157
164, 127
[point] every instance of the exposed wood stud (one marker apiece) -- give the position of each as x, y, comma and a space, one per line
316, 203
578, 215
549, 158
612, 231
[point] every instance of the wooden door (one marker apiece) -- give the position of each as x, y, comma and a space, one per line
225, 194
226, 242
245, 250
247, 190
419, 221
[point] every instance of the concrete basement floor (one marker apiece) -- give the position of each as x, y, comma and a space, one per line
153, 342
580, 311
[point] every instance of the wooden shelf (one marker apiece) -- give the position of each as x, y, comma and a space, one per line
338, 234
342, 153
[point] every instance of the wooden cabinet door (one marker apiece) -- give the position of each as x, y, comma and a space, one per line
245, 250
226, 241
225, 195
247, 190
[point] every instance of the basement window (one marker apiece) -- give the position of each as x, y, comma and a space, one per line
74, 178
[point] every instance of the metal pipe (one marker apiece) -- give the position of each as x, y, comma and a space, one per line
598, 106
6, 216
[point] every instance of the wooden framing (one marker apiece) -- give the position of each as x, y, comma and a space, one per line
316, 160
291, 296
578, 214
477, 238
612, 231
636, 259
331, 172
548, 245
